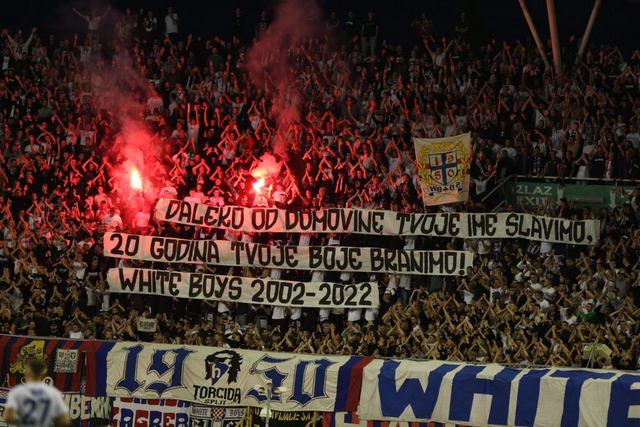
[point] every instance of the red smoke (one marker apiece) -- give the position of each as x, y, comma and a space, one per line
271, 63
268, 167
120, 89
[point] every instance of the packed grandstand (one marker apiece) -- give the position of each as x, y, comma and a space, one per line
151, 159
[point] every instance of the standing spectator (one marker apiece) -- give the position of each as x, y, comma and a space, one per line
93, 20
238, 23
171, 23
422, 25
333, 23
350, 26
462, 26
17, 46
112, 221
150, 25
263, 23
369, 35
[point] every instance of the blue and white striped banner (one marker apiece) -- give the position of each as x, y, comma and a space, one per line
497, 395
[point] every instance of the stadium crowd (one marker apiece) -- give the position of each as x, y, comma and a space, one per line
362, 103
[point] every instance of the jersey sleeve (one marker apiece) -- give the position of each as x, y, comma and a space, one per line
58, 405
12, 399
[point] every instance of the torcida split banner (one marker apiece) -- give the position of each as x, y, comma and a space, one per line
326, 258
233, 377
443, 166
242, 289
380, 222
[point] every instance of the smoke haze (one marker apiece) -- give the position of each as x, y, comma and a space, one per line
271, 63
120, 90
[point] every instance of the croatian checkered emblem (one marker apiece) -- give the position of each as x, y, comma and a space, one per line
217, 414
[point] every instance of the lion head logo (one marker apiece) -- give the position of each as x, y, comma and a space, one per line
35, 349
221, 362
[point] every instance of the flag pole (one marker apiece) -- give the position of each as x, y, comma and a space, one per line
534, 33
555, 42
587, 31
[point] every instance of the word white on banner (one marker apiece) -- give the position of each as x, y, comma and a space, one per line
498, 396
247, 290
327, 258
129, 412
233, 377
379, 222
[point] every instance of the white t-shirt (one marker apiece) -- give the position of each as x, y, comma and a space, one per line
484, 246
354, 314
279, 196
154, 102
36, 404
168, 193
105, 306
634, 138
87, 137
76, 335
545, 247
222, 308
296, 313
305, 239
216, 201
548, 292
80, 268
142, 219
171, 22
112, 222
544, 304
278, 312
94, 23
370, 314
195, 197
275, 274
192, 132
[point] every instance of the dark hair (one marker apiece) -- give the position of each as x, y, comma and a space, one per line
38, 367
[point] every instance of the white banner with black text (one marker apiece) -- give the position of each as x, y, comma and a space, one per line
326, 258
379, 222
233, 377
239, 289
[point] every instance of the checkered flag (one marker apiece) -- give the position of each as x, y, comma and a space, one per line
217, 414
83, 386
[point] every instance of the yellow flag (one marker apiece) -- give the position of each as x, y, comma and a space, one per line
443, 168
34, 349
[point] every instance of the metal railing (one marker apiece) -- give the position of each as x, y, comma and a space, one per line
574, 180
495, 193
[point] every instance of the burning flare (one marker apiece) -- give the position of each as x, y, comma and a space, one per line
135, 180
257, 186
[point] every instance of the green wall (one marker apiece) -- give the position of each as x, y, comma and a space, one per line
589, 193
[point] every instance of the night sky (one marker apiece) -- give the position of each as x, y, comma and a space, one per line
617, 24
